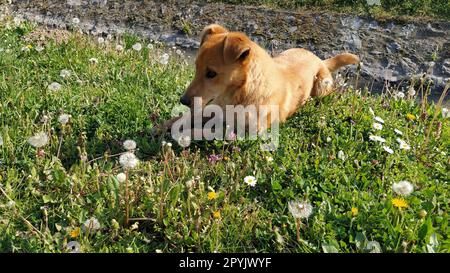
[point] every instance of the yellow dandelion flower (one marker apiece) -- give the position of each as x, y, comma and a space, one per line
226, 158
75, 233
410, 117
399, 203
354, 211
212, 195
216, 214
29, 46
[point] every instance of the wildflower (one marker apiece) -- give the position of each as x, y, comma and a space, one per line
75, 233
403, 188
39, 140
129, 145
341, 155
410, 117
73, 247
25, 49
377, 126
119, 48
101, 40
54, 86
184, 141
399, 95
39, 48
121, 177
398, 132
213, 158
377, 138
91, 224
212, 195
354, 211
64, 119
75, 21
300, 209
190, 183
65, 73
250, 180
328, 139
411, 92
373, 247
380, 120
137, 47
403, 144
232, 136
422, 213
216, 214
445, 113
179, 52
166, 144
269, 158
399, 203
164, 59
387, 149
128, 160
93, 60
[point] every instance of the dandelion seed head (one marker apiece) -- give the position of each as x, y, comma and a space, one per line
184, 141
403, 188
75, 21
65, 73
54, 86
300, 210
91, 225
128, 160
73, 247
119, 48
129, 145
164, 59
121, 177
64, 119
137, 47
39, 140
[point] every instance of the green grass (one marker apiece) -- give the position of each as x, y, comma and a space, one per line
44, 199
389, 8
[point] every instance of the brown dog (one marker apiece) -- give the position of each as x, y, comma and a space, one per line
233, 70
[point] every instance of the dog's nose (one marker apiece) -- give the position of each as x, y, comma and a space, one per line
185, 100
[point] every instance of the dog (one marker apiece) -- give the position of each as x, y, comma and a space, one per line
233, 70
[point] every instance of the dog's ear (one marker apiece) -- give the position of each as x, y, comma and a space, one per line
210, 30
235, 49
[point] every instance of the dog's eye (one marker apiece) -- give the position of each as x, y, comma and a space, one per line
210, 74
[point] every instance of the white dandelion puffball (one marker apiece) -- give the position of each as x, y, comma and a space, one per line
137, 47
341, 155
119, 48
150, 46
75, 21
250, 180
411, 92
403, 188
121, 177
1, 141
91, 224
129, 145
93, 60
128, 160
445, 113
398, 132
184, 141
387, 149
380, 120
65, 73
64, 119
377, 126
73, 247
190, 183
164, 59
39, 140
101, 40
54, 86
400, 95
377, 138
300, 210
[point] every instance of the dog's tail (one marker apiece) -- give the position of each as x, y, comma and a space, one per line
341, 60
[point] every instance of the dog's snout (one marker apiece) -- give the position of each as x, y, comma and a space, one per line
185, 100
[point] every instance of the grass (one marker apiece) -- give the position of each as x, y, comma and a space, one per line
45, 200
387, 8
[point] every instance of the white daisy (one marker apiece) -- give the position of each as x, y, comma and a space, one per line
398, 132
121, 177
377, 138
129, 145
91, 225
380, 120
54, 86
137, 47
341, 155
65, 73
403, 188
300, 210
164, 59
128, 160
377, 126
64, 119
387, 149
250, 180
39, 140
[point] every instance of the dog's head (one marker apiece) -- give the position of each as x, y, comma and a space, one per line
221, 66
